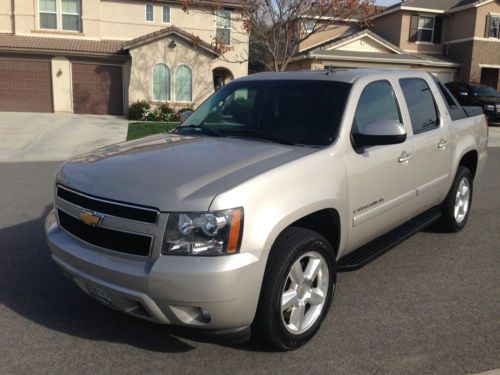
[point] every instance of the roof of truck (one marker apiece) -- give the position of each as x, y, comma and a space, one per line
338, 75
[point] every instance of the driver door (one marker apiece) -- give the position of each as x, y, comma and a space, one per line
381, 183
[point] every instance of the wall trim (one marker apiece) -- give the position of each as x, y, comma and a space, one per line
478, 38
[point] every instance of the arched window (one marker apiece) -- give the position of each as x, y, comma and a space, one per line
166, 14
183, 84
149, 13
161, 82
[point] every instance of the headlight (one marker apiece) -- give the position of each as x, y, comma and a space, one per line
203, 233
489, 107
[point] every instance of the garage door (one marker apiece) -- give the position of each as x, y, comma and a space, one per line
25, 86
97, 89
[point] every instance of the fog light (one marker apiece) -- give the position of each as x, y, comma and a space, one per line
205, 315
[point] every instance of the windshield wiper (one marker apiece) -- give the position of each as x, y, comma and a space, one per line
204, 129
253, 133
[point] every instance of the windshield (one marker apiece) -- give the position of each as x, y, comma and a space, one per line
283, 111
485, 91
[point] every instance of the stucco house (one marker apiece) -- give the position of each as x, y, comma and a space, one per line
98, 56
465, 31
453, 39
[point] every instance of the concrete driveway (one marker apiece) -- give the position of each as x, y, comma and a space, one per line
49, 136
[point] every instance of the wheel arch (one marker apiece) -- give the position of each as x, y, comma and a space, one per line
470, 160
325, 221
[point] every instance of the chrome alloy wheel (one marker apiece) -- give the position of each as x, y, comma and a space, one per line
304, 293
462, 200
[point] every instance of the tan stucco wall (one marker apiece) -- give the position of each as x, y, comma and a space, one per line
462, 24
389, 27
144, 58
6, 16
61, 85
395, 27
328, 34
482, 12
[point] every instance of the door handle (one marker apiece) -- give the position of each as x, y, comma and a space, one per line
405, 156
442, 143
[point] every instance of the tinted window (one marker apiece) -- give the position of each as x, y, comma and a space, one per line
455, 110
421, 105
377, 102
303, 112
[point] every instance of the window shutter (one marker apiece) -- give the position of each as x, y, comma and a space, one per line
413, 28
438, 30
487, 29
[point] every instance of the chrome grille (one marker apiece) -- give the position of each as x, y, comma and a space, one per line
125, 228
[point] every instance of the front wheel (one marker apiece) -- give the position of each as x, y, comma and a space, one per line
297, 290
456, 206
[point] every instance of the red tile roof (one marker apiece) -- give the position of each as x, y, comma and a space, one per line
190, 38
64, 44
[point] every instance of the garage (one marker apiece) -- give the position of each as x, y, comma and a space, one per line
97, 88
25, 86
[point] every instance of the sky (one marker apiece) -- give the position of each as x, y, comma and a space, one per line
386, 2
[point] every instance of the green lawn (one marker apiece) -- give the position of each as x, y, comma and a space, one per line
142, 129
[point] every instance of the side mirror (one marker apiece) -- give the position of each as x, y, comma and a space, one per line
381, 132
185, 115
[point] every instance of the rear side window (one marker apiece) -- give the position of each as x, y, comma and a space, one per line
421, 105
456, 111
377, 102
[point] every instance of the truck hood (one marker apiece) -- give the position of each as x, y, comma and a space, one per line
489, 99
173, 172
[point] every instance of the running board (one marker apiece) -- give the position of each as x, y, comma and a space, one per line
379, 246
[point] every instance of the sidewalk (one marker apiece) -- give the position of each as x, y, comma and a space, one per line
49, 136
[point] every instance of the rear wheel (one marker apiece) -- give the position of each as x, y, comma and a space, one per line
456, 206
297, 290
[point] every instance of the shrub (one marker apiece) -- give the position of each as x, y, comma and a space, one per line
154, 114
166, 110
136, 109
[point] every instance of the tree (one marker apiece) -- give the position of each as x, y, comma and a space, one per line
278, 28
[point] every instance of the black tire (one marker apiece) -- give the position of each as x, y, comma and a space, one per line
448, 222
269, 327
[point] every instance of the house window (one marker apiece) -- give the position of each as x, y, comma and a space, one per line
48, 14
59, 14
223, 24
70, 15
149, 13
161, 82
183, 84
494, 27
309, 26
166, 14
425, 29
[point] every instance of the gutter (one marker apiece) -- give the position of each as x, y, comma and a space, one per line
46, 52
382, 59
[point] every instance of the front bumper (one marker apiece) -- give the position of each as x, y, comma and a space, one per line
177, 290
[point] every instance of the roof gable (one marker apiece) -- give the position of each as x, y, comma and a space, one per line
170, 31
361, 41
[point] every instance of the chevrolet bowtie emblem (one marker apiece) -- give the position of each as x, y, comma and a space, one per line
91, 218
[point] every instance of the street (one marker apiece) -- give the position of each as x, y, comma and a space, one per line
429, 306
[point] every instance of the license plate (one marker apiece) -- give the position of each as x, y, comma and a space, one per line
99, 294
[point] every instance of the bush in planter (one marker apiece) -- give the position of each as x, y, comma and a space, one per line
136, 109
154, 114
166, 110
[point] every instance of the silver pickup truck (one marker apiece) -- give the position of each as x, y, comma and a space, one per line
240, 219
